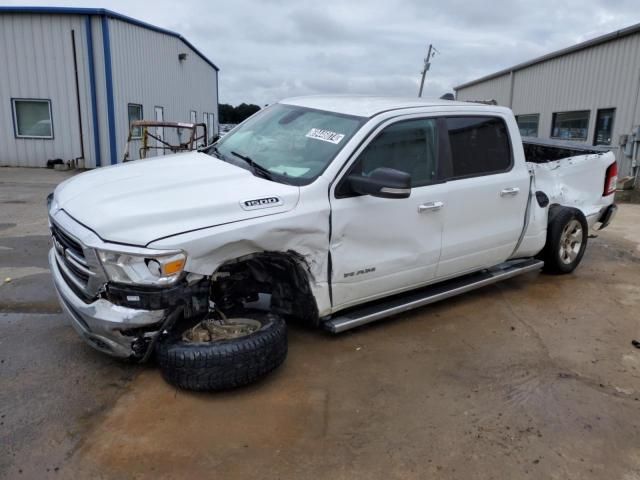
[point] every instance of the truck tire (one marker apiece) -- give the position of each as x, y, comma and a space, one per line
224, 364
567, 235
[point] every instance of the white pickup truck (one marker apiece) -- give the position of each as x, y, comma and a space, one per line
329, 210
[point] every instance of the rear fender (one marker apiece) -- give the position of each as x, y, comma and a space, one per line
576, 182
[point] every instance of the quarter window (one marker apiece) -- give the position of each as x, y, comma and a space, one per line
604, 126
135, 114
32, 118
479, 146
570, 125
528, 124
409, 146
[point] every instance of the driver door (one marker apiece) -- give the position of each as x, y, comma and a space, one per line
381, 246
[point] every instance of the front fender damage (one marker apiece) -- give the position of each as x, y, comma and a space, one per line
284, 277
297, 244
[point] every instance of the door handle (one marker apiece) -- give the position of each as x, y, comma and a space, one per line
509, 192
430, 207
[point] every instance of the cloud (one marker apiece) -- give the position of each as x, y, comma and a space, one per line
268, 50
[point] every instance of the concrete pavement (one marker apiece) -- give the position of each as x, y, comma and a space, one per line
532, 378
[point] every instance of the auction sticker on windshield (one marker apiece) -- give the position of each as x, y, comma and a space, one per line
325, 135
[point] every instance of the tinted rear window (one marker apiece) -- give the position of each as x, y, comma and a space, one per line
479, 146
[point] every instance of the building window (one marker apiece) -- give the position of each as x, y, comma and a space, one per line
32, 118
193, 116
604, 126
570, 125
528, 124
135, 113
479, 146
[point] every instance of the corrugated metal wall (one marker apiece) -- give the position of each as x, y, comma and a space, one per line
101, 92
602, 76
497, 89
36, 62
146, 71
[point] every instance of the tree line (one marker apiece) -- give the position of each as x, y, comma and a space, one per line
231, 114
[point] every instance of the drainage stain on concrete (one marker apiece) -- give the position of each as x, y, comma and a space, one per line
493, 384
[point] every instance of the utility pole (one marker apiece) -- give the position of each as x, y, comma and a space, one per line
427, 64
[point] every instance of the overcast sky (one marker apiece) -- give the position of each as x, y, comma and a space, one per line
272, 49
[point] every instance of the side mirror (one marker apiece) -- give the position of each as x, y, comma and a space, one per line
382, 182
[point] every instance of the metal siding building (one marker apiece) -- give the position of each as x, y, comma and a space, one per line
120, 61
597, 75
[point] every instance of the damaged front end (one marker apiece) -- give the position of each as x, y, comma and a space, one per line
120, 307
185, 301
121, 298
124, 321
123, 301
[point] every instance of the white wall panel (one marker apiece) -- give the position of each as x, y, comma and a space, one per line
37, 62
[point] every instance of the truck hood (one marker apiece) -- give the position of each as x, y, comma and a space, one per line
138, 202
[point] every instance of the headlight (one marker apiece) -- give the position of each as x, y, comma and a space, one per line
154, 269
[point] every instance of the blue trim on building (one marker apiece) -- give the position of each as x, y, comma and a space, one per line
103, 12
108, 75
92, 92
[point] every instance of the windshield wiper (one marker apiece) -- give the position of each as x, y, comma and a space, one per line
256, 168
218, 153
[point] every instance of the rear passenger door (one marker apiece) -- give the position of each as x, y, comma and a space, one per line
486, 195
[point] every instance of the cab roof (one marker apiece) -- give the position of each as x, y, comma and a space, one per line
369, 106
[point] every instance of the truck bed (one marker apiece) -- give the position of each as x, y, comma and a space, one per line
537, 150
571, 175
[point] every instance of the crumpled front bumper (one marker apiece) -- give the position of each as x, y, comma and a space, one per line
102, 324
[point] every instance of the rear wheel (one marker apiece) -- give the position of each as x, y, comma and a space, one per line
567, 235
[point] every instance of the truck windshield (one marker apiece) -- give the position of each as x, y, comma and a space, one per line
293, 144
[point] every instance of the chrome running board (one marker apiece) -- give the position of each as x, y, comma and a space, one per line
418, 298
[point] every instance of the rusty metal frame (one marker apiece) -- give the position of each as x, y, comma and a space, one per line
145, 125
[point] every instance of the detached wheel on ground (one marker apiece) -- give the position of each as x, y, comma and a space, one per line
567, 235
223, 354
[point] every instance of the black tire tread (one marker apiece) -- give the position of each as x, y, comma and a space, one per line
559, 216
223, 365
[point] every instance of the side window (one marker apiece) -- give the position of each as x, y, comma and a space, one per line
570, 125
32, 118
410, 146
479, 146
528, 124
135, 113
604, 126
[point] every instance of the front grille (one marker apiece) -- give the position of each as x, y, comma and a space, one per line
66, 241
78, 264
77, 272
79, 289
